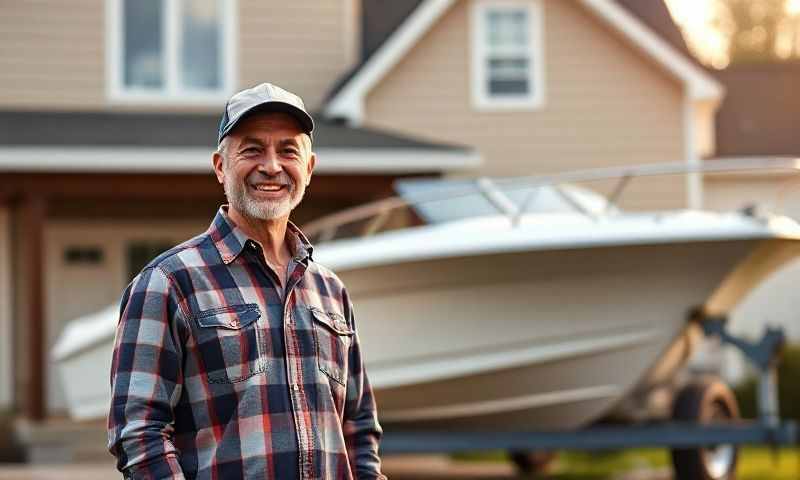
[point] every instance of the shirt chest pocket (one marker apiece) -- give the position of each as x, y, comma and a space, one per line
228, 342
333, 338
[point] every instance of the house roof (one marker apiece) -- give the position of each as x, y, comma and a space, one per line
171, 130
655, 14
379, 19
389, 36
98, 141
759, 114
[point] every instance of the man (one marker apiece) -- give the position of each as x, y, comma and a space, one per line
236, 354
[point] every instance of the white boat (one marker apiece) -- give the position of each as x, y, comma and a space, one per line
542, 307
83, 354
543, 317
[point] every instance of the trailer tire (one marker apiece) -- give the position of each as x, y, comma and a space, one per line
705, 402
534, 462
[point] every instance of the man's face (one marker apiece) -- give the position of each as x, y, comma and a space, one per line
266, 167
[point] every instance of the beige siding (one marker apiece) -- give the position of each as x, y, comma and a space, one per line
52, 52
352, 32
772, 193
303, 46
605, 103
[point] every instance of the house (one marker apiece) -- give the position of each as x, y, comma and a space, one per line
572, 85
756, 120
108, 111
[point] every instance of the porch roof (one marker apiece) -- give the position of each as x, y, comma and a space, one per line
168, 142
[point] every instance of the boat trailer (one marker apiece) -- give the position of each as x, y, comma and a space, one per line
683, 437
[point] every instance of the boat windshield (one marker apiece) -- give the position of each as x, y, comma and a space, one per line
595, 194
450, 203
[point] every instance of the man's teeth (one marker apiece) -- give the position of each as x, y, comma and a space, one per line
269, 188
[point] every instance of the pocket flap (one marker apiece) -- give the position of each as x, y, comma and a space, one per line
332, 320
231, 316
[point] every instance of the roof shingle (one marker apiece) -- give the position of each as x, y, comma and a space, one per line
173, 130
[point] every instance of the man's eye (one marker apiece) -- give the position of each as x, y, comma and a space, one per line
290, 151
250, 151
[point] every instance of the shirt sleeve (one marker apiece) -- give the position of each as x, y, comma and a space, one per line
362, 432
146, 379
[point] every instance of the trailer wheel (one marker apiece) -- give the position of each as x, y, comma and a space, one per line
705, 402
532, 463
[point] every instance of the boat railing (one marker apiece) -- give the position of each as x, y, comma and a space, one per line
496, 192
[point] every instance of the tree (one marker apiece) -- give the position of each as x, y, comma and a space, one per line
760, 27
723, 32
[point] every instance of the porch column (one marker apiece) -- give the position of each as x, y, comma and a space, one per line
32, 216
6, 300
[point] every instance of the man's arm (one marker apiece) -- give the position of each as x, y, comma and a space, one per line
362, 432
146, 379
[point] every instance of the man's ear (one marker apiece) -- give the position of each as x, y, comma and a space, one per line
217, 161
312, 161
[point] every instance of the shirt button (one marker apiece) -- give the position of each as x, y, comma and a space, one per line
296, 387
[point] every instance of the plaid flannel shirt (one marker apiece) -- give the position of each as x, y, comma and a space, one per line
219, 373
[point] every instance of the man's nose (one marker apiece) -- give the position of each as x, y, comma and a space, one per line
271, 164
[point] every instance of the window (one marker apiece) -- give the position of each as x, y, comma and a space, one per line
83, 255
507, 59
179, 50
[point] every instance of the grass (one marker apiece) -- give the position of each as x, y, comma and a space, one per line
755, 463
605, 465
762, 464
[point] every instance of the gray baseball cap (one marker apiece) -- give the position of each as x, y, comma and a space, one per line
263, 98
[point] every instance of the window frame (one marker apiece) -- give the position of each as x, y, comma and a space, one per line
172, 93
481, 98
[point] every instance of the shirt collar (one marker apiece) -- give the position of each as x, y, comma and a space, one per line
230, 240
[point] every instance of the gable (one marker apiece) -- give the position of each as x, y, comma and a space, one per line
605, 103
348, 100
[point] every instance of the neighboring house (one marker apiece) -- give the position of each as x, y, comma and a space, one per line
107, 123
758, 119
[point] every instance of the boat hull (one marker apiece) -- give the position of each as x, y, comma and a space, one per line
531, 339
535, 339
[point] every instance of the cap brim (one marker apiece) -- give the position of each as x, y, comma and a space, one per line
303, 119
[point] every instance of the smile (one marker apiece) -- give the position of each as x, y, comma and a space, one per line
268, 187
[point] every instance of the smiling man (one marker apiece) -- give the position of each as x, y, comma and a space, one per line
236, 354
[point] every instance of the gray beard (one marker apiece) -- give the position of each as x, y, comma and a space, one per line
240, 200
